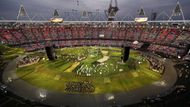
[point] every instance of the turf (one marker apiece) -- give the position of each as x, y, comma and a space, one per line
9, 53
114, 77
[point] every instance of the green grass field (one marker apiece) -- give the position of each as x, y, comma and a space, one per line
9, 53
81, 64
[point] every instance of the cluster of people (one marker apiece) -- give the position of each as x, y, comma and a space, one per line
28, 60
33, 47
69, 43
183, 70
80, 87
155, 63
163, 49
112, 34
182, 39
116, 31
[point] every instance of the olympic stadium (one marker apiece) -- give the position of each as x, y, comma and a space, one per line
94, 59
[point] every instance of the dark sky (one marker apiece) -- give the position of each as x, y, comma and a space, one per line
9, 8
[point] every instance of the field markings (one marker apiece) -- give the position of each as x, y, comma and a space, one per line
72, 67
29, 73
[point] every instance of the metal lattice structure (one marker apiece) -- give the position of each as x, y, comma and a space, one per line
112, 11
177, 11
22, 13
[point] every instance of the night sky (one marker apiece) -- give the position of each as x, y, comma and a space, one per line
37, 8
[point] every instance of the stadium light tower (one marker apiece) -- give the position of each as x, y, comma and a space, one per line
22, 13
112, 11
56, 18
85, 16
178, 11
141, 16
153, 15
141, 12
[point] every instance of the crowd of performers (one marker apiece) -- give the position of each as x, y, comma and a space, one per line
155, 63
28, 60
80, 87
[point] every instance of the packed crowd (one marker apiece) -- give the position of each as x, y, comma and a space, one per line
28, 60
183, 70
80, 87
35, 36
144, 33
155, 63
163, 49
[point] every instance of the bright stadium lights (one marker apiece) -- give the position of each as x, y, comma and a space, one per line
101, 35
141, 19
56, 20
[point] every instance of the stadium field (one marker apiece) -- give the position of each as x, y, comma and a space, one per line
10, 53
102, 66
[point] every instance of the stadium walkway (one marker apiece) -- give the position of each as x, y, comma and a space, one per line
29, 92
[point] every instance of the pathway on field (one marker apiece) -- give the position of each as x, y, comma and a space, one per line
72, 67
105, 57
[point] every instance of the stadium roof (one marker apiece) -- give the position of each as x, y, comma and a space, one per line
9, 8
